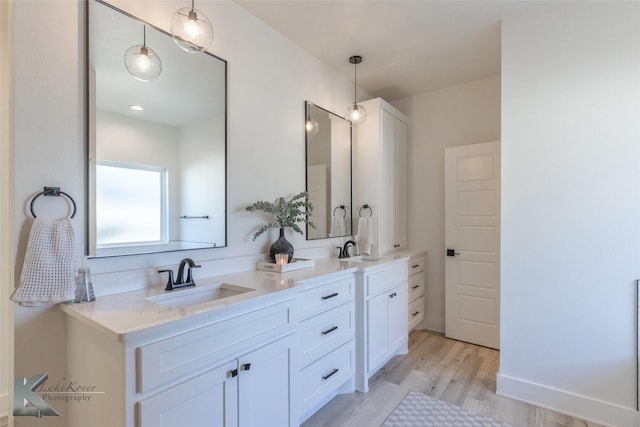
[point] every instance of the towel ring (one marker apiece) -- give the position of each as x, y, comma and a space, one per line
344, 211
52, 191
365, 206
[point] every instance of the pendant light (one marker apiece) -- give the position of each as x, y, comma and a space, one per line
356, 113
141, 61
191, 29
310, 124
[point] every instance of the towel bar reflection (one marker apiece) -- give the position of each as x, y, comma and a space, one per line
52, 191
365, 206
193, 217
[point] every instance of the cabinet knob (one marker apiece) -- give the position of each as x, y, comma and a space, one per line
233, 373
245, 366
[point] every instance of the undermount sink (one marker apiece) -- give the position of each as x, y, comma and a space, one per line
362, 258
199, 295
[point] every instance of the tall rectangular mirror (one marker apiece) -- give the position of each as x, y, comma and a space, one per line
156, 177
328, 166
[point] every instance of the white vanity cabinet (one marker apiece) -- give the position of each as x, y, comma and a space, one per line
382, 326
326, 336
380, 170
416, 289
234, 370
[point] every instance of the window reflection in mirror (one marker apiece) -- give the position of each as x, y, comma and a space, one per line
177, 140
328, 170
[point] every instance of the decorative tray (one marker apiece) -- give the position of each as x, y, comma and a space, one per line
296, 264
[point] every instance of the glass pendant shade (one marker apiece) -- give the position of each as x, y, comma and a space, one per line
311, 126
356, 114
142, 63
191, 29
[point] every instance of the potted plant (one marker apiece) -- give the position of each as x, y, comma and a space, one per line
284, 213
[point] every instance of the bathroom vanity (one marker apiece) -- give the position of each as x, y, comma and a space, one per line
267, 349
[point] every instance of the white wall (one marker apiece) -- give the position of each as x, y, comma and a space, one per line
571, 208
459, 115
202, 186
6, 214
124, 139
269, 80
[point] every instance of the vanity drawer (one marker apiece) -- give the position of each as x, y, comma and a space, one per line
325, 296
184, 354
325, 375
416, 264
416, 286
320, 334
416, 312
384, 280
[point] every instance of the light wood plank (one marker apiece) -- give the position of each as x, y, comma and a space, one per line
456, 372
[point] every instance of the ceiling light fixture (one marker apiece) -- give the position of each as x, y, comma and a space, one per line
191, 29
310, 124
141, 61
136, 107
356, 113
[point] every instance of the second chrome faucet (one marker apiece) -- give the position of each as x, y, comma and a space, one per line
344, 251
180, 281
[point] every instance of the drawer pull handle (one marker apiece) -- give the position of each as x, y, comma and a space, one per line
328, 331
415, 314
330, 374
415, 266
245, 366
415, 287
335, 294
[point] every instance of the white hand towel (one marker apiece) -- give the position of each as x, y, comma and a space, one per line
48, 272
338, 227
365, 234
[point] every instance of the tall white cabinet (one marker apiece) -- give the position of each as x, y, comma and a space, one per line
380, 170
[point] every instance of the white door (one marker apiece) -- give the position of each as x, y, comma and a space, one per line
472, 237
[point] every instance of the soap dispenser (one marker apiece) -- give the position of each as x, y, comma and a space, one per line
84, 287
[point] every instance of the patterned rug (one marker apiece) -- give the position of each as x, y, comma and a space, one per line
420, 410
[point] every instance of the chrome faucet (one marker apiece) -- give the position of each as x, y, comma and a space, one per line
180, 282
344, 251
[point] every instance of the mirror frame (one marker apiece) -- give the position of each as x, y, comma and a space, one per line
349, 212
87, 155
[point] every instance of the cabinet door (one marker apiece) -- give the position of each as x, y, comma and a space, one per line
398, 312
264, 382
210, 399
387, 184
401, 191
377, 326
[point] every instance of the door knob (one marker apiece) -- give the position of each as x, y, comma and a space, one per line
452, 252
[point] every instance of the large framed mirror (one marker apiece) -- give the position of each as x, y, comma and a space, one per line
156, 177
328, 172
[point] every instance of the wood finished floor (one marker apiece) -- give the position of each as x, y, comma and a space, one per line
456, 372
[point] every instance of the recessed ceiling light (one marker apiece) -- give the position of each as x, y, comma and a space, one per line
136, 107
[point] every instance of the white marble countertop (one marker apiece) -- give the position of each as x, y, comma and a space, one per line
134, 314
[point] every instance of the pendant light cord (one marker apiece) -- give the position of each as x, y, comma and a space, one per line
144, 35
355, 82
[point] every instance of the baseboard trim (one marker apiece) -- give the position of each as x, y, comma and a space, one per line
575, 405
